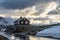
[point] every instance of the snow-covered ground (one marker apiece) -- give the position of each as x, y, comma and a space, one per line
53, 32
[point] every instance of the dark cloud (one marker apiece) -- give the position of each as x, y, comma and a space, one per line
18, 4
53, 12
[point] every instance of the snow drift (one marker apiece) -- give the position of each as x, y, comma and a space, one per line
53, 32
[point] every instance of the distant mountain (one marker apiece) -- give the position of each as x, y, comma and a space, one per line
6, 21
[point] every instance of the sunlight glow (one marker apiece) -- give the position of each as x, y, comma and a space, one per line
52, 17
2, 16
15, 16
31, 11
51, 6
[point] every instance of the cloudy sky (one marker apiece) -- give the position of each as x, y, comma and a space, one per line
24, 7
19, 4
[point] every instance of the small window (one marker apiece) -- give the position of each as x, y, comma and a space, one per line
26, 22
22, 22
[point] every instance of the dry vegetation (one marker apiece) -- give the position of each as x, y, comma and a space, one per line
30, 29
3, 38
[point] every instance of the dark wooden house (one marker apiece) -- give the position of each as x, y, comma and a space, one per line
17, 21
22, 21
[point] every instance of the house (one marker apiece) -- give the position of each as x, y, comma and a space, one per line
17, 21
22, 21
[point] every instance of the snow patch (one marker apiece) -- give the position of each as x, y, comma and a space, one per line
6, 21
53, 31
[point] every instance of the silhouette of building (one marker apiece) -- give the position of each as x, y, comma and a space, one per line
17, 21
22, 21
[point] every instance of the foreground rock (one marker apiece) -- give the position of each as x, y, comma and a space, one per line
3, 38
